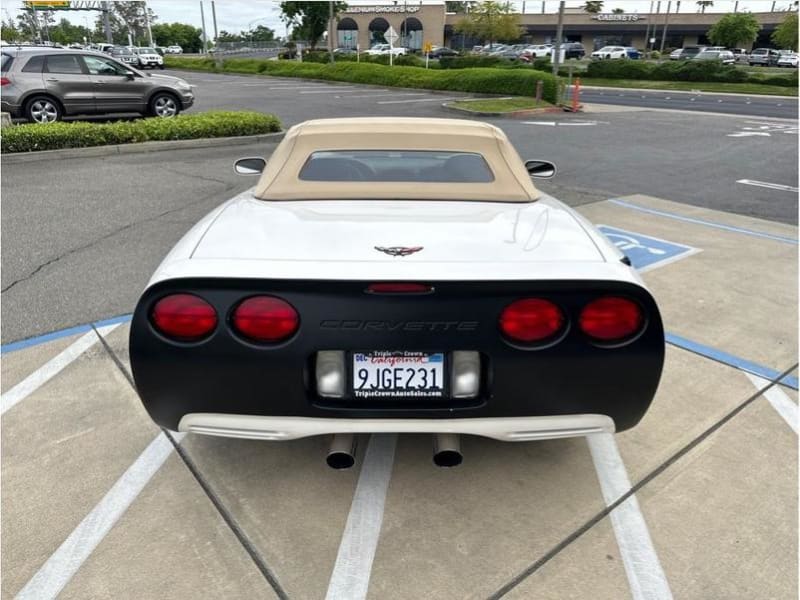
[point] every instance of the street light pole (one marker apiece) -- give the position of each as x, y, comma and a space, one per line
330, 31
556, 52
203, 21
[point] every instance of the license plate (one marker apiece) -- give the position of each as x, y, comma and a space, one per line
399, 374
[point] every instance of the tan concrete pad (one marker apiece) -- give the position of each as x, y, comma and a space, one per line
17, 365
464, 532
117, 340
724, 517
171, 543
738, 295
590, 567
63, 447
288, 501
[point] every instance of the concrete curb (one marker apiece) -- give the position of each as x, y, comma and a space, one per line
516, 114
686, 92
67, 153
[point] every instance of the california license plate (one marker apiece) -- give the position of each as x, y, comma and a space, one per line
398, 374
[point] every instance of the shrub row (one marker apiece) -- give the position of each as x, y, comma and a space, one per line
681, 71
516, 82
53, 136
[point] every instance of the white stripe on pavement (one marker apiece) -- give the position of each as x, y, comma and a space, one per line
51, 368
421, 100
645, 576
338, 91
395, 95
766, 184
782, 404
351, 573
54, 574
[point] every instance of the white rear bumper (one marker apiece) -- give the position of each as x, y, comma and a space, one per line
511, 429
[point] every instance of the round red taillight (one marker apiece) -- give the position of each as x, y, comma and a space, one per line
184, 317
265, 319
611, 319
532, 320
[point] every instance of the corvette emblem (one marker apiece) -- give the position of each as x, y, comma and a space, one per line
399, 250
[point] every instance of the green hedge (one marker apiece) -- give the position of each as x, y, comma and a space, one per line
682, 70
512, 82
80, 134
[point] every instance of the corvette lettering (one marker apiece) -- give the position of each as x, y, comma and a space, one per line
357, 325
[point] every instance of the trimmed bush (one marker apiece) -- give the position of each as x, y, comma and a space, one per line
684, 70
514, 82
473, 61
53, 136
788, 80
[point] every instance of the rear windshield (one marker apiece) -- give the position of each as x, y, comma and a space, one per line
396, 166
120, 51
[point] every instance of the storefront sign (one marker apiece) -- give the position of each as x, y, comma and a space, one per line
616, 17
382, 9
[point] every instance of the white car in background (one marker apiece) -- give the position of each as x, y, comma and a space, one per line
676, 54
539, 51
174, 50
788, 60
381, 49
608, 52
148, 57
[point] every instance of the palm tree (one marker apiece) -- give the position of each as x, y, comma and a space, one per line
703, 4
593, 6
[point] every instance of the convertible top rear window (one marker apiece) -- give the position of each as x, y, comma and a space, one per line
430, 166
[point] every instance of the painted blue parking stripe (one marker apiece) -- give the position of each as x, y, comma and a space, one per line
56, 335
729, 359
714, 224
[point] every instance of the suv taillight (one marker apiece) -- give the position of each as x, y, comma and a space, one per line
184, 317
265, 319
4, 81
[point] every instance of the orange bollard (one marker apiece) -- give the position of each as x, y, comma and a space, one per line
576, 93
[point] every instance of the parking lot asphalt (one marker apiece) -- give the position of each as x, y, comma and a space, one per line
90, 262
698, 501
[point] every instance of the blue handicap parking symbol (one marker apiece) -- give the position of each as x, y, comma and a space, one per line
644, 251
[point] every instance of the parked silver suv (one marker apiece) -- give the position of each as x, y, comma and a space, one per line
45, 84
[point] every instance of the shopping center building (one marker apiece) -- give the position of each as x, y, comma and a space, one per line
417, 24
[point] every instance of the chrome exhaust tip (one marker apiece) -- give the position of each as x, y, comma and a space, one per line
447, 450
341, 454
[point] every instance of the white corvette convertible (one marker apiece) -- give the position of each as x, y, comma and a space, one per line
396, 275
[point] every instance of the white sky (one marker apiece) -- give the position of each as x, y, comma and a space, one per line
237, 15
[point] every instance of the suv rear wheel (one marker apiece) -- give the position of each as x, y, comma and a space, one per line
42, 109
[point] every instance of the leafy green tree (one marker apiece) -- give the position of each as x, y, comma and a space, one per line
618, 11
704, 4
224, 37
10, 33
171, 34
593, 6
734, 30
785, 34
34, 27
67, 33
458, 7
309, 19
491, 21
259, 34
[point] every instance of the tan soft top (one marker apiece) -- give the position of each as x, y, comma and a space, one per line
280, 180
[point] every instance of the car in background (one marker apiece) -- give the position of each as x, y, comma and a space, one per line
787, 59
538, 51
175, 49
148, 57
633, 53
609, 52
442, 52
726, 57
345, 51
386, 49
741, 54
689, 52
464, 301
765, 57
676, 54
161, 50
44, 85
573, 50
125, 55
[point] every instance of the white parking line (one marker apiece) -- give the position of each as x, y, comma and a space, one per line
767, 184
645, 576
395, 95
419, 100
339, 91
54, 574
51, 368
351, 573
782, 404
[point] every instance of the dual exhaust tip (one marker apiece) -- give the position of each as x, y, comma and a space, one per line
446, 450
